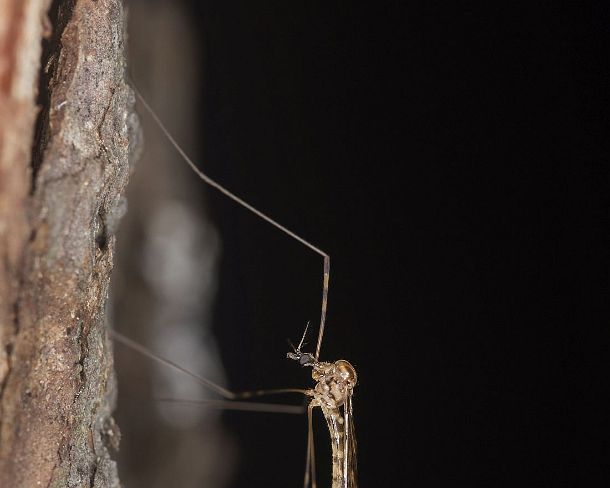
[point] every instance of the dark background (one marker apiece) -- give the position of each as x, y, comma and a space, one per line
452, 161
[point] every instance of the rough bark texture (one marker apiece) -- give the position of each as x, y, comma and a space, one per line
59, 206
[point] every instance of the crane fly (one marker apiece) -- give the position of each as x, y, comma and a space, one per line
334, 381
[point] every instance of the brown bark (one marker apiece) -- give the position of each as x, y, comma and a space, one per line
59, 206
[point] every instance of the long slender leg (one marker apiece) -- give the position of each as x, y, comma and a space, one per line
277, 391
255, 211
310, 459
236, 405
307, 464
229, 395
325, 284
311, 443
139, 348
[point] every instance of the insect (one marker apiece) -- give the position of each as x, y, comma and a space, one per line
333, 392
335, 381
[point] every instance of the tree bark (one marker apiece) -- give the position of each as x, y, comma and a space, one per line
60, 203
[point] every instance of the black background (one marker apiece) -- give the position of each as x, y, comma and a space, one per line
451, 159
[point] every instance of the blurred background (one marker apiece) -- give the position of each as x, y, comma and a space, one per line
452, 159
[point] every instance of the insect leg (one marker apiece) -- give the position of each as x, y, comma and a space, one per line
241, 406
228, 394
214, 184
310, 460
310, 442
325, 283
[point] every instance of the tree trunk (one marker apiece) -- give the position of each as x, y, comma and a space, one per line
62, 177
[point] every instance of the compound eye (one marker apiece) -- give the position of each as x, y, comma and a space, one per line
346, 371
307, 359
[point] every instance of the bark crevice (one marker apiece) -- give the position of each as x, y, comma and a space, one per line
64, 166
